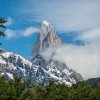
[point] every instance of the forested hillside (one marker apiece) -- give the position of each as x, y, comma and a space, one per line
19, 90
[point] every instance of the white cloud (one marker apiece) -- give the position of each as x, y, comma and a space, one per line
20, 33
83, 59
10, 33
91, 35
29, 31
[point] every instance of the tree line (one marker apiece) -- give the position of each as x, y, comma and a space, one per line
18, 89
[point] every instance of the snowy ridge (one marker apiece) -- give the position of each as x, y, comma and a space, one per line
52, 70
11, 54
38, 71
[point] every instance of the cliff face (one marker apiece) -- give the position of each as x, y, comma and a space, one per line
46, 39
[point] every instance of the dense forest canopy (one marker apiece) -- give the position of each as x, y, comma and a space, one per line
21, 90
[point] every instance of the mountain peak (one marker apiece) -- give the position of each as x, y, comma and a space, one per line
47, 38
46, 23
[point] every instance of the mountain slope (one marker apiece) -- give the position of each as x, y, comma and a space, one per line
52, 70
38, 72
93, 82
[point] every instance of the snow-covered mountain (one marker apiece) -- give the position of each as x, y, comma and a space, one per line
56, 70
39, 70
49, 39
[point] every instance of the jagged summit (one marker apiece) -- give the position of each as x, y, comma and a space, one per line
47, 38
46, 23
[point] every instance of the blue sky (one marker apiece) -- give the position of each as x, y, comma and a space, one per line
70, 18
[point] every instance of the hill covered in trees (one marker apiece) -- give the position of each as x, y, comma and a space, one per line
20, 90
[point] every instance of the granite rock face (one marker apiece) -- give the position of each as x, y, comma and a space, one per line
46, 38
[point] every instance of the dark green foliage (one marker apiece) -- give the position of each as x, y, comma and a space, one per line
11, 90
2, 22
2, 26
20, 90
2, 34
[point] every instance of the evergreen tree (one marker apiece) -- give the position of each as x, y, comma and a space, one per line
2, 22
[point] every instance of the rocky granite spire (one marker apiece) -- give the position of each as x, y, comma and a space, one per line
46, 38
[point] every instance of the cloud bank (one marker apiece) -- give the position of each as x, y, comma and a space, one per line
92, 35
84, 59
